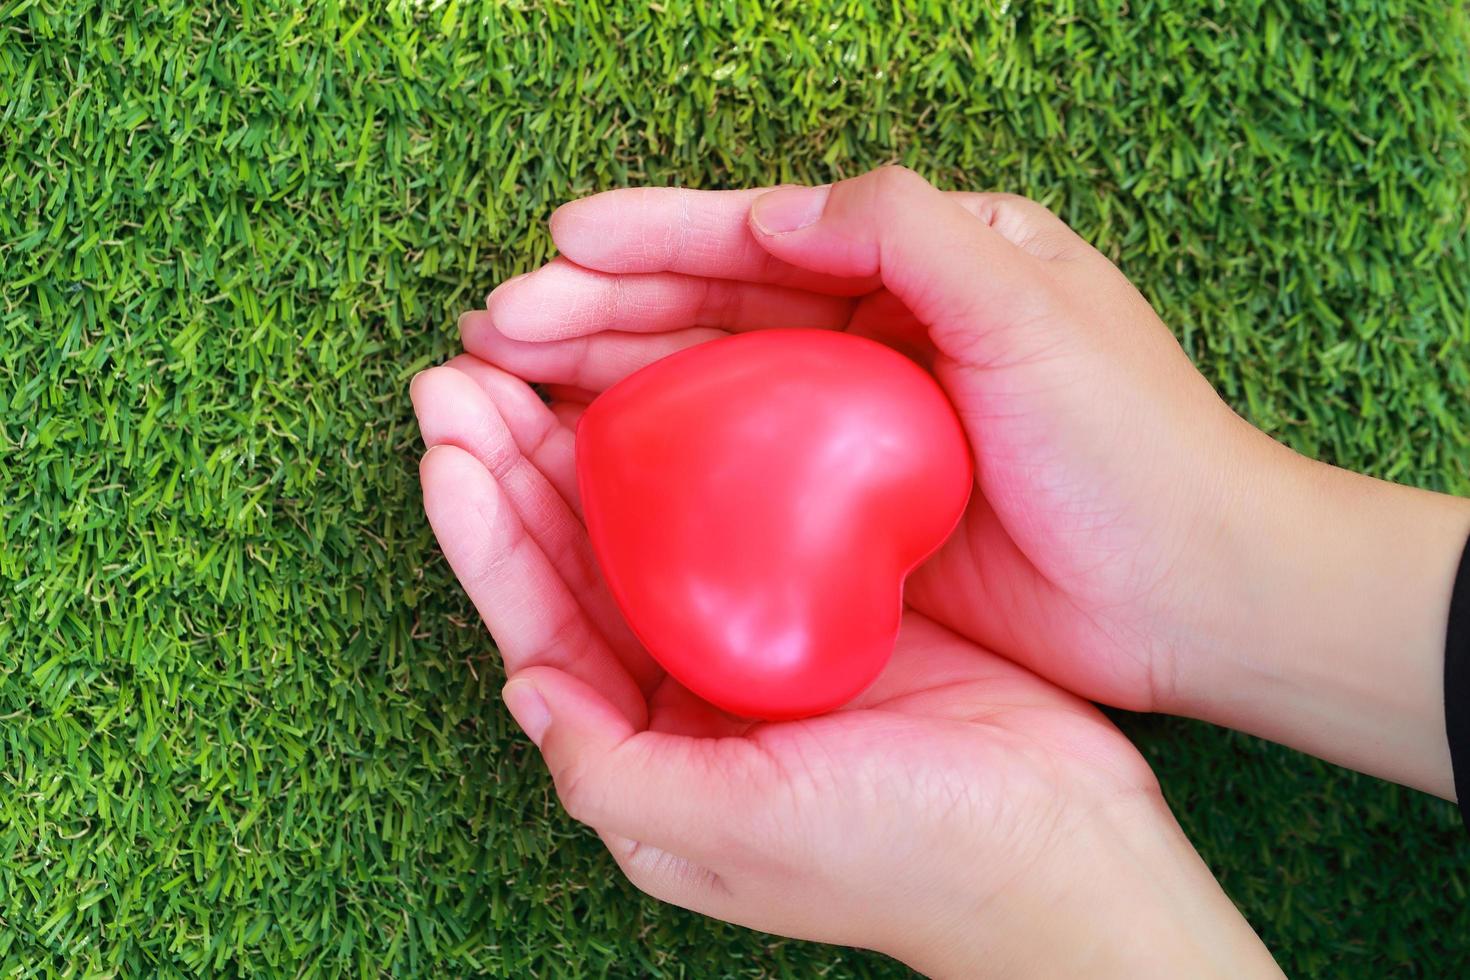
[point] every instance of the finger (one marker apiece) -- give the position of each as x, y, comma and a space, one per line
961, 277
454, 411
561, 300
594, 363
539, 434
699, 233
705, 799
673, 229
523, 601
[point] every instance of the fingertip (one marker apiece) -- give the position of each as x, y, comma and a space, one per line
462, 501
526, 705
451, 466
483, 333
473, 325
428, 377
579, 723
465, 363
436, 474
502, 296
557, 223
424, 392
438, 391
481, 337
438, 461
413, 384
503, 284
541, 305
572, 223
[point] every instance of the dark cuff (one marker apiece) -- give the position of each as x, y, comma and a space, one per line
1457, 684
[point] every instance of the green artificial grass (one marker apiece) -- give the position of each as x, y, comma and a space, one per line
248, 723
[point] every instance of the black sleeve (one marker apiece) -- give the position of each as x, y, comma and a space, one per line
1457, 684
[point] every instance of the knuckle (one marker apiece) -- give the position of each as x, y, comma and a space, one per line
1015, 200
643, 866
1029, 225
1003, 207
491, 449
897, 179
1040, 214
487, 563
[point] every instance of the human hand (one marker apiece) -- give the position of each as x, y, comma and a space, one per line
962, 815
1134, 540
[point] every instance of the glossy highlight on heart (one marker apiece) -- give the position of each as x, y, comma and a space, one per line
756, 502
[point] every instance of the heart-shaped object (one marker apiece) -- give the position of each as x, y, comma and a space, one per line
756, 503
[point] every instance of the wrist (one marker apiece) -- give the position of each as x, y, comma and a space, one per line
1126, 895
1326, 632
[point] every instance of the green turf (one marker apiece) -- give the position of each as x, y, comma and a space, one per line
248, 725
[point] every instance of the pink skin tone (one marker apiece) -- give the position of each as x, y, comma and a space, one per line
1132, 541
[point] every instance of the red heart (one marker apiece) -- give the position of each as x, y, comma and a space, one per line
756, 503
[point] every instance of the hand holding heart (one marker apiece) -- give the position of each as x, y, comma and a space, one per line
1128, 538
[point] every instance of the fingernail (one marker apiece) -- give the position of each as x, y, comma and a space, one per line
789, 208
528, 708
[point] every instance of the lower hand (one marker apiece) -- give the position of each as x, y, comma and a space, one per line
963, 815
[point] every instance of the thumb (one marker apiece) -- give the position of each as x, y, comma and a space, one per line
695, 797
960, 276
586, 722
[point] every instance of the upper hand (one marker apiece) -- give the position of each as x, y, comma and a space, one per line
1133, 539
1096, 442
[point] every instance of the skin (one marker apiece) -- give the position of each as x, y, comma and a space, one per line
1133, 541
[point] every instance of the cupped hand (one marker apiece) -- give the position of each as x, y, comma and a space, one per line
1103, 458
1133, 539
963, 814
